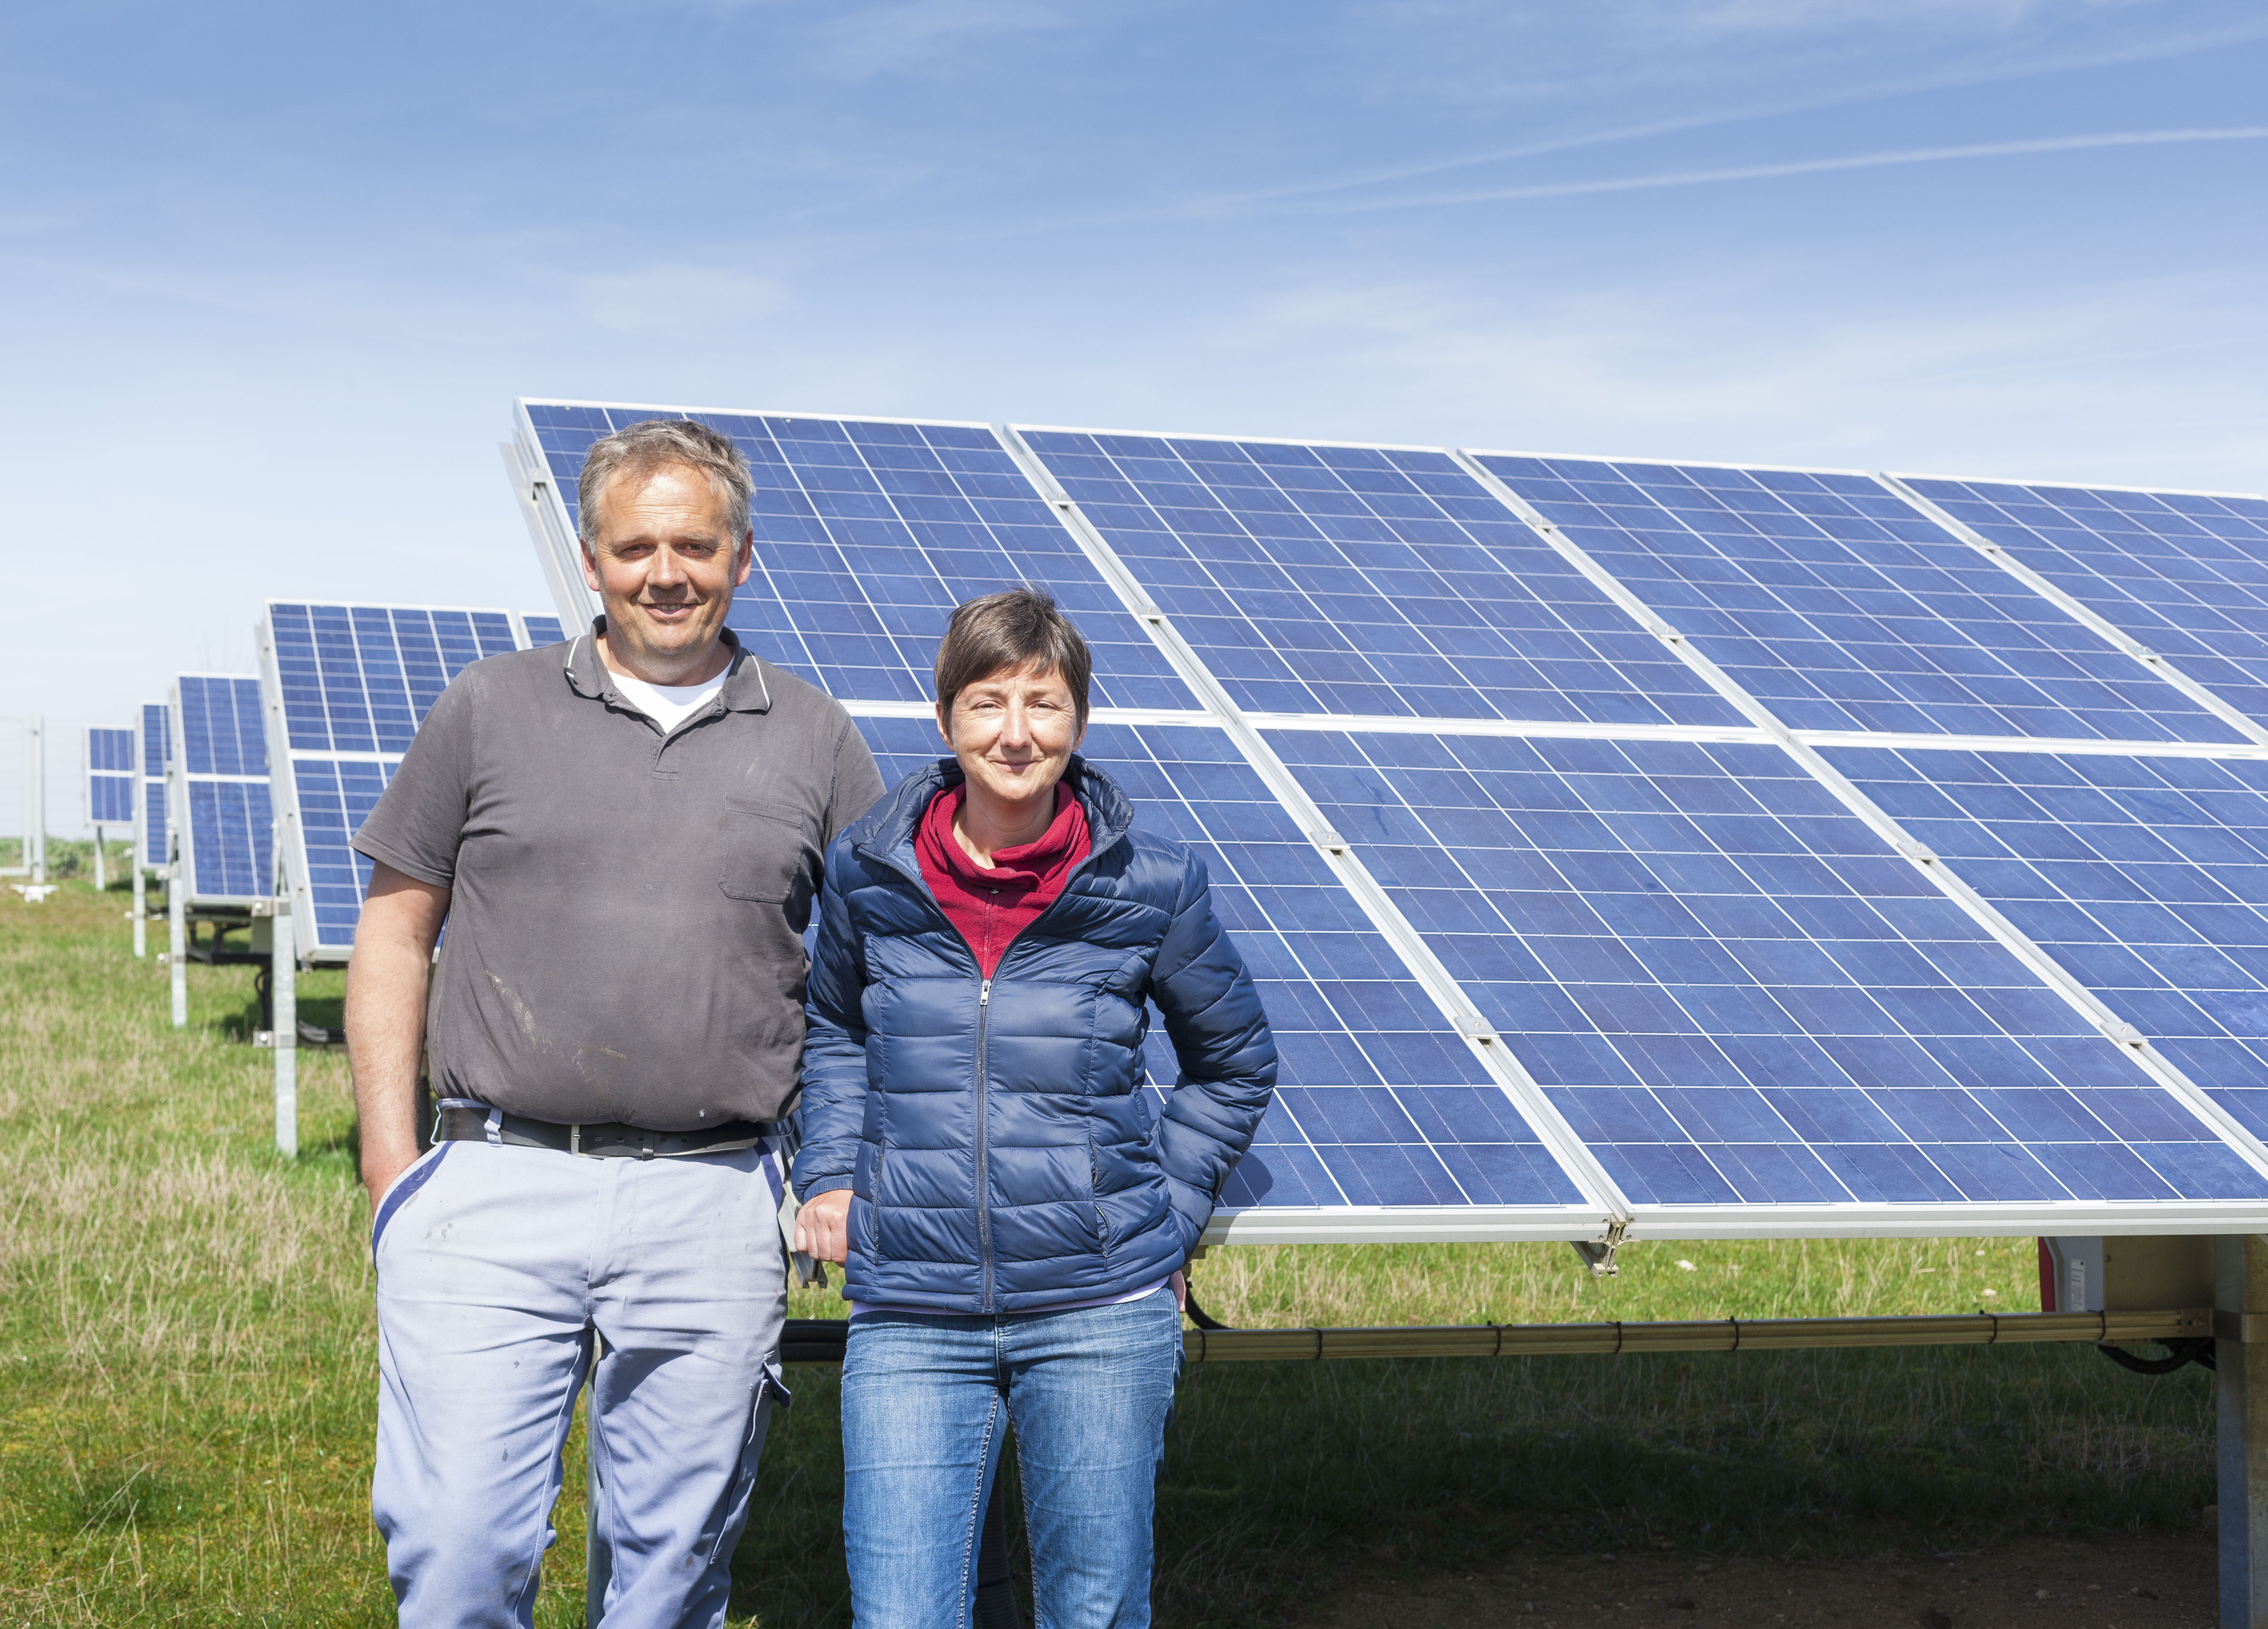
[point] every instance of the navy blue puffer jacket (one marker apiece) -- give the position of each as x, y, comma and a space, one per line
999, 1152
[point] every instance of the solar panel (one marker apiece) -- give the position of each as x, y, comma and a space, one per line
110, 777
1562, 923
1841, 606
1328, 578
542, 629
1736, 993
2147, 877
350, 684
220, 778
1380, 1105
868, 532
2183, 573
156, 754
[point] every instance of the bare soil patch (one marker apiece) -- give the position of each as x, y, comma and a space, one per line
2125, 1582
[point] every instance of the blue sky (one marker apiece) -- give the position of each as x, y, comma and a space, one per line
271, 275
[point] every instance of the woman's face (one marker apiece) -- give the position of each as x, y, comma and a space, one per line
1014, 732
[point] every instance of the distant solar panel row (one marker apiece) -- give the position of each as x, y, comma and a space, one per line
353, 682
220, 756
1728, 987
360, 678
156, 753
111, 778
335, 796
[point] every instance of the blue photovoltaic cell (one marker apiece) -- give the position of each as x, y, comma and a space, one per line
869, 533
1734, 992
2146, 878
1379, 1102
1366, 580
156, 752
542, 630
224, 761
1840, 607
2185, 575
361, 678
110, 777
110, 752
335, 796
229, 829
220, 725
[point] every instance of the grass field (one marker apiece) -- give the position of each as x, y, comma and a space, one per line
187, 1378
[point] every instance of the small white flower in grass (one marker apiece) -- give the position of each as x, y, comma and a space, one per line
1992, 1292
1683, 1265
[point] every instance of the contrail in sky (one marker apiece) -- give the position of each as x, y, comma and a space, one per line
1815, 167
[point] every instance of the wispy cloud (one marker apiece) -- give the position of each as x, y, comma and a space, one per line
2096, 383
1804, 166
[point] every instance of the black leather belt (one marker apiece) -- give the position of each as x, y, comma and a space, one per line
608, 1139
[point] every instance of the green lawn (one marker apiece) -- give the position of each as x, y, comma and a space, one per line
187, 1377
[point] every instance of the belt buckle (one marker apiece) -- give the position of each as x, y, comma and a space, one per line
574, 1139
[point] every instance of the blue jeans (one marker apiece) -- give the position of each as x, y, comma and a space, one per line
926, 1402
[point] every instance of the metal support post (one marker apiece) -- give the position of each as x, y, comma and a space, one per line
101, 883
35, 830
141, 909
177, 934
2240, 1324
284, 997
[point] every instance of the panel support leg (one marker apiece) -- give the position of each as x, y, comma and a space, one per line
2240, 1395
141, 909
101, 882
283, 995
177, 935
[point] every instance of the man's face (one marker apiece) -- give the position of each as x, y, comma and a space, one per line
665, 567
1014, 731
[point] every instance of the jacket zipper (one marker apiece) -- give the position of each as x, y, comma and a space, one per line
984, 1016
983, 1175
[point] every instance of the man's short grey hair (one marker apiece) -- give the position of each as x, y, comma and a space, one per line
640, 449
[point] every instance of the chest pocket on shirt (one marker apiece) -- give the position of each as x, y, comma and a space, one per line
771, 855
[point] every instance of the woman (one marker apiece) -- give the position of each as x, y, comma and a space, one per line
975, 1152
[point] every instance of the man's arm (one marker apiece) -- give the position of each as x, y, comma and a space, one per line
386, 1017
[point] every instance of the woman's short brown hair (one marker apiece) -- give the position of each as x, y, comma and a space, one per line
1008, 632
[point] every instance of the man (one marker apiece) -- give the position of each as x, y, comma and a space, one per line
624, 834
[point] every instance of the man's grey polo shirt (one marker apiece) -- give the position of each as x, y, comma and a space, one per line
624, 939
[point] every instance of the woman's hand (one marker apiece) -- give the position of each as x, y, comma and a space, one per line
822, 1228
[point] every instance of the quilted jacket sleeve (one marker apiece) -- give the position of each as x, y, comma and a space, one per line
1227, 1055
834, 1103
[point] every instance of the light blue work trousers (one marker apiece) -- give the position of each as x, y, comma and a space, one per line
496, 1265
927, 1403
